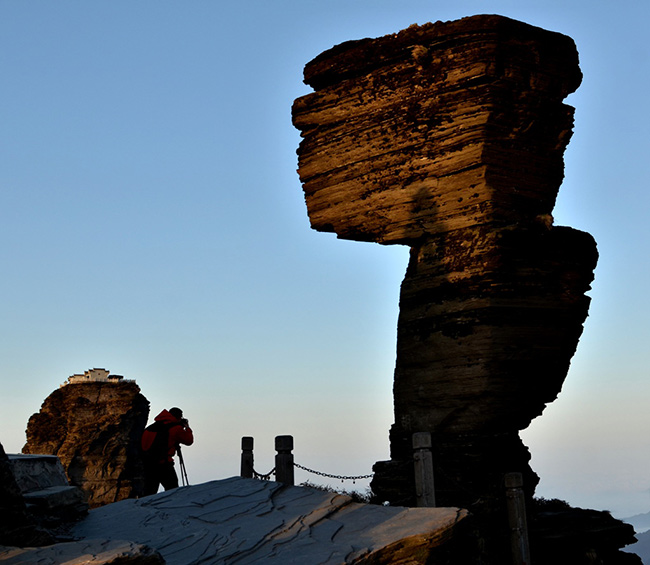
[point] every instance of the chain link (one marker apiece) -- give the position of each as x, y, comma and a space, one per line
262, 477
341, 477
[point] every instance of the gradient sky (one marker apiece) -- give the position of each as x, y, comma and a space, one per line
152, 223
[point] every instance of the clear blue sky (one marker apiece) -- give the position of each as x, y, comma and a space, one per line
152, 223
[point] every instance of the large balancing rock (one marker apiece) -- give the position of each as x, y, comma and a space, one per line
449, 138
95, 429
436, 128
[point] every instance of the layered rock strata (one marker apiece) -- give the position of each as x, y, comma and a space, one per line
449, 138
94, 428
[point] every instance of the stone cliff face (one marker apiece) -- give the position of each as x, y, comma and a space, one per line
94, 429
449, 138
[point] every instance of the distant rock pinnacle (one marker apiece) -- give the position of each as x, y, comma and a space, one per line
94, 428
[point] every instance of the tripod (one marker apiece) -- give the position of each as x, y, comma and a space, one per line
183, 470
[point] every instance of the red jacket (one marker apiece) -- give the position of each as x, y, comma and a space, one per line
177, 434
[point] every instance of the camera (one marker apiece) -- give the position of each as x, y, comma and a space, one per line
185, 422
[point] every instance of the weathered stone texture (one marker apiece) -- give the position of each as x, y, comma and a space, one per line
436, 128
17, 525
489, 320
36, 472
46, 490
94, 429
247, 521
449, 137
86, 552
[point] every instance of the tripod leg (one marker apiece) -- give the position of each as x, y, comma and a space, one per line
182, 466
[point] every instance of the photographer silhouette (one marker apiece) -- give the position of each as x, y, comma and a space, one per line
160, 442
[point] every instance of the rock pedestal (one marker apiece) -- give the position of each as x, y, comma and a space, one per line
449, 138
95, 429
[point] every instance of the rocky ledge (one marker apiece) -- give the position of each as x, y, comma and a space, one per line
249, 521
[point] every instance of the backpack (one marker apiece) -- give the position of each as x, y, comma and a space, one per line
158, 449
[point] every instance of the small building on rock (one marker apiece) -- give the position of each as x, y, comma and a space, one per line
95, 376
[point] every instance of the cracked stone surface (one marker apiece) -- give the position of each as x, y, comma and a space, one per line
45, 488
245, 521
36, 472
87, 552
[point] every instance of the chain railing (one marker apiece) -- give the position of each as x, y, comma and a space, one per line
263, 477
424, 482
284, 464
353, 478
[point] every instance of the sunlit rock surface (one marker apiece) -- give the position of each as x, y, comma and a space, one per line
449, 138
248, 521
94, 428
87, 552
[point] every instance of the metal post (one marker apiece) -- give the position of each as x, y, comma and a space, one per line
246, 469
284, 460
423, 465
517, 519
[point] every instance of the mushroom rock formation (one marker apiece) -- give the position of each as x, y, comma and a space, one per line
449, 138
94, 428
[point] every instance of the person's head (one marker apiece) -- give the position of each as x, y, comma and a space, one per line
177, 413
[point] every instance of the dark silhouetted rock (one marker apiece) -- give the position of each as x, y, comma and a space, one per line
17, 526
94, 428
46, 491
562, 535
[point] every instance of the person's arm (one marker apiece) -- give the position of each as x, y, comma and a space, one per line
182, 434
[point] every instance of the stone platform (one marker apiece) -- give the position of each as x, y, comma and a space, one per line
36, 472
86, 552
45, 489
249, 521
